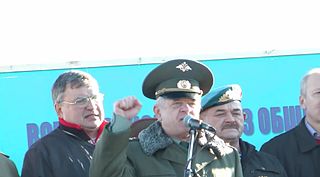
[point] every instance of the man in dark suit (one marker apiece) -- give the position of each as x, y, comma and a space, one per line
67, 150
299, 148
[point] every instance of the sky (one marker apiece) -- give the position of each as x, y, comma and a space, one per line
41, 31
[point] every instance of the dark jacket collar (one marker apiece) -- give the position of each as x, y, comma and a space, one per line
76, 130
246, 149
306, 142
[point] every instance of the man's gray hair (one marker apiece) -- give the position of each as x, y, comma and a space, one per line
160, 101
303, 84
73, 79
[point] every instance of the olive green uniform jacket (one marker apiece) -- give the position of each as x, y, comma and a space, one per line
155, 154
7, 167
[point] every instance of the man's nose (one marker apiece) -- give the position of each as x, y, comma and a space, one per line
229, 117
91, 104
186, 107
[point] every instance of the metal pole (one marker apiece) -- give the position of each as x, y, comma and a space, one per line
189, 172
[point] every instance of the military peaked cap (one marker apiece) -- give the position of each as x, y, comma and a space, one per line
178, 78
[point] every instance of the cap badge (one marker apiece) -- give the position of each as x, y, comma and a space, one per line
184, 84
184, 67
232, 94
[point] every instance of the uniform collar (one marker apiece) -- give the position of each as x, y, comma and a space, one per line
153, 138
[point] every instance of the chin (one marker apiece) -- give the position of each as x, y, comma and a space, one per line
91, 126
93, 122
229, 135
94, 119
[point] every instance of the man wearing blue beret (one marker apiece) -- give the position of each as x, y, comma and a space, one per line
222, 109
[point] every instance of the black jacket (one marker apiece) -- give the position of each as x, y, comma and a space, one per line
297, 151
64, 152
257, 164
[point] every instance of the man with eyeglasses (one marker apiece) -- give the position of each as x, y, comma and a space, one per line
67, 151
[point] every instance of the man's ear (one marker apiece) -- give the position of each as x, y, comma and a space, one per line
57, 107
157, 112
203, 115
302, 101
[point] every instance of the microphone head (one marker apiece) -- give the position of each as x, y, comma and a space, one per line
186, 120
191, 122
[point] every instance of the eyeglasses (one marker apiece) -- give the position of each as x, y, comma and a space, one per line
84, 101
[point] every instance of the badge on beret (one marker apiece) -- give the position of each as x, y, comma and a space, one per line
184, 67
234, 93
184, 84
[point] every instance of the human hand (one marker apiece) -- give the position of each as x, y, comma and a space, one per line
127, 107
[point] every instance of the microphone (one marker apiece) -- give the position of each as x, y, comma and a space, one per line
197, 124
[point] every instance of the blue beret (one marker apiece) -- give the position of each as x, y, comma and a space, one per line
222, 95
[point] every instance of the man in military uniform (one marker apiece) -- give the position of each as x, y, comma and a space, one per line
177, 87
7, 167
222, 109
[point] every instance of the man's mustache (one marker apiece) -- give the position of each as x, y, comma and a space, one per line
230, 126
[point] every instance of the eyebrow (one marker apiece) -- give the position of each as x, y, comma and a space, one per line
237, 109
